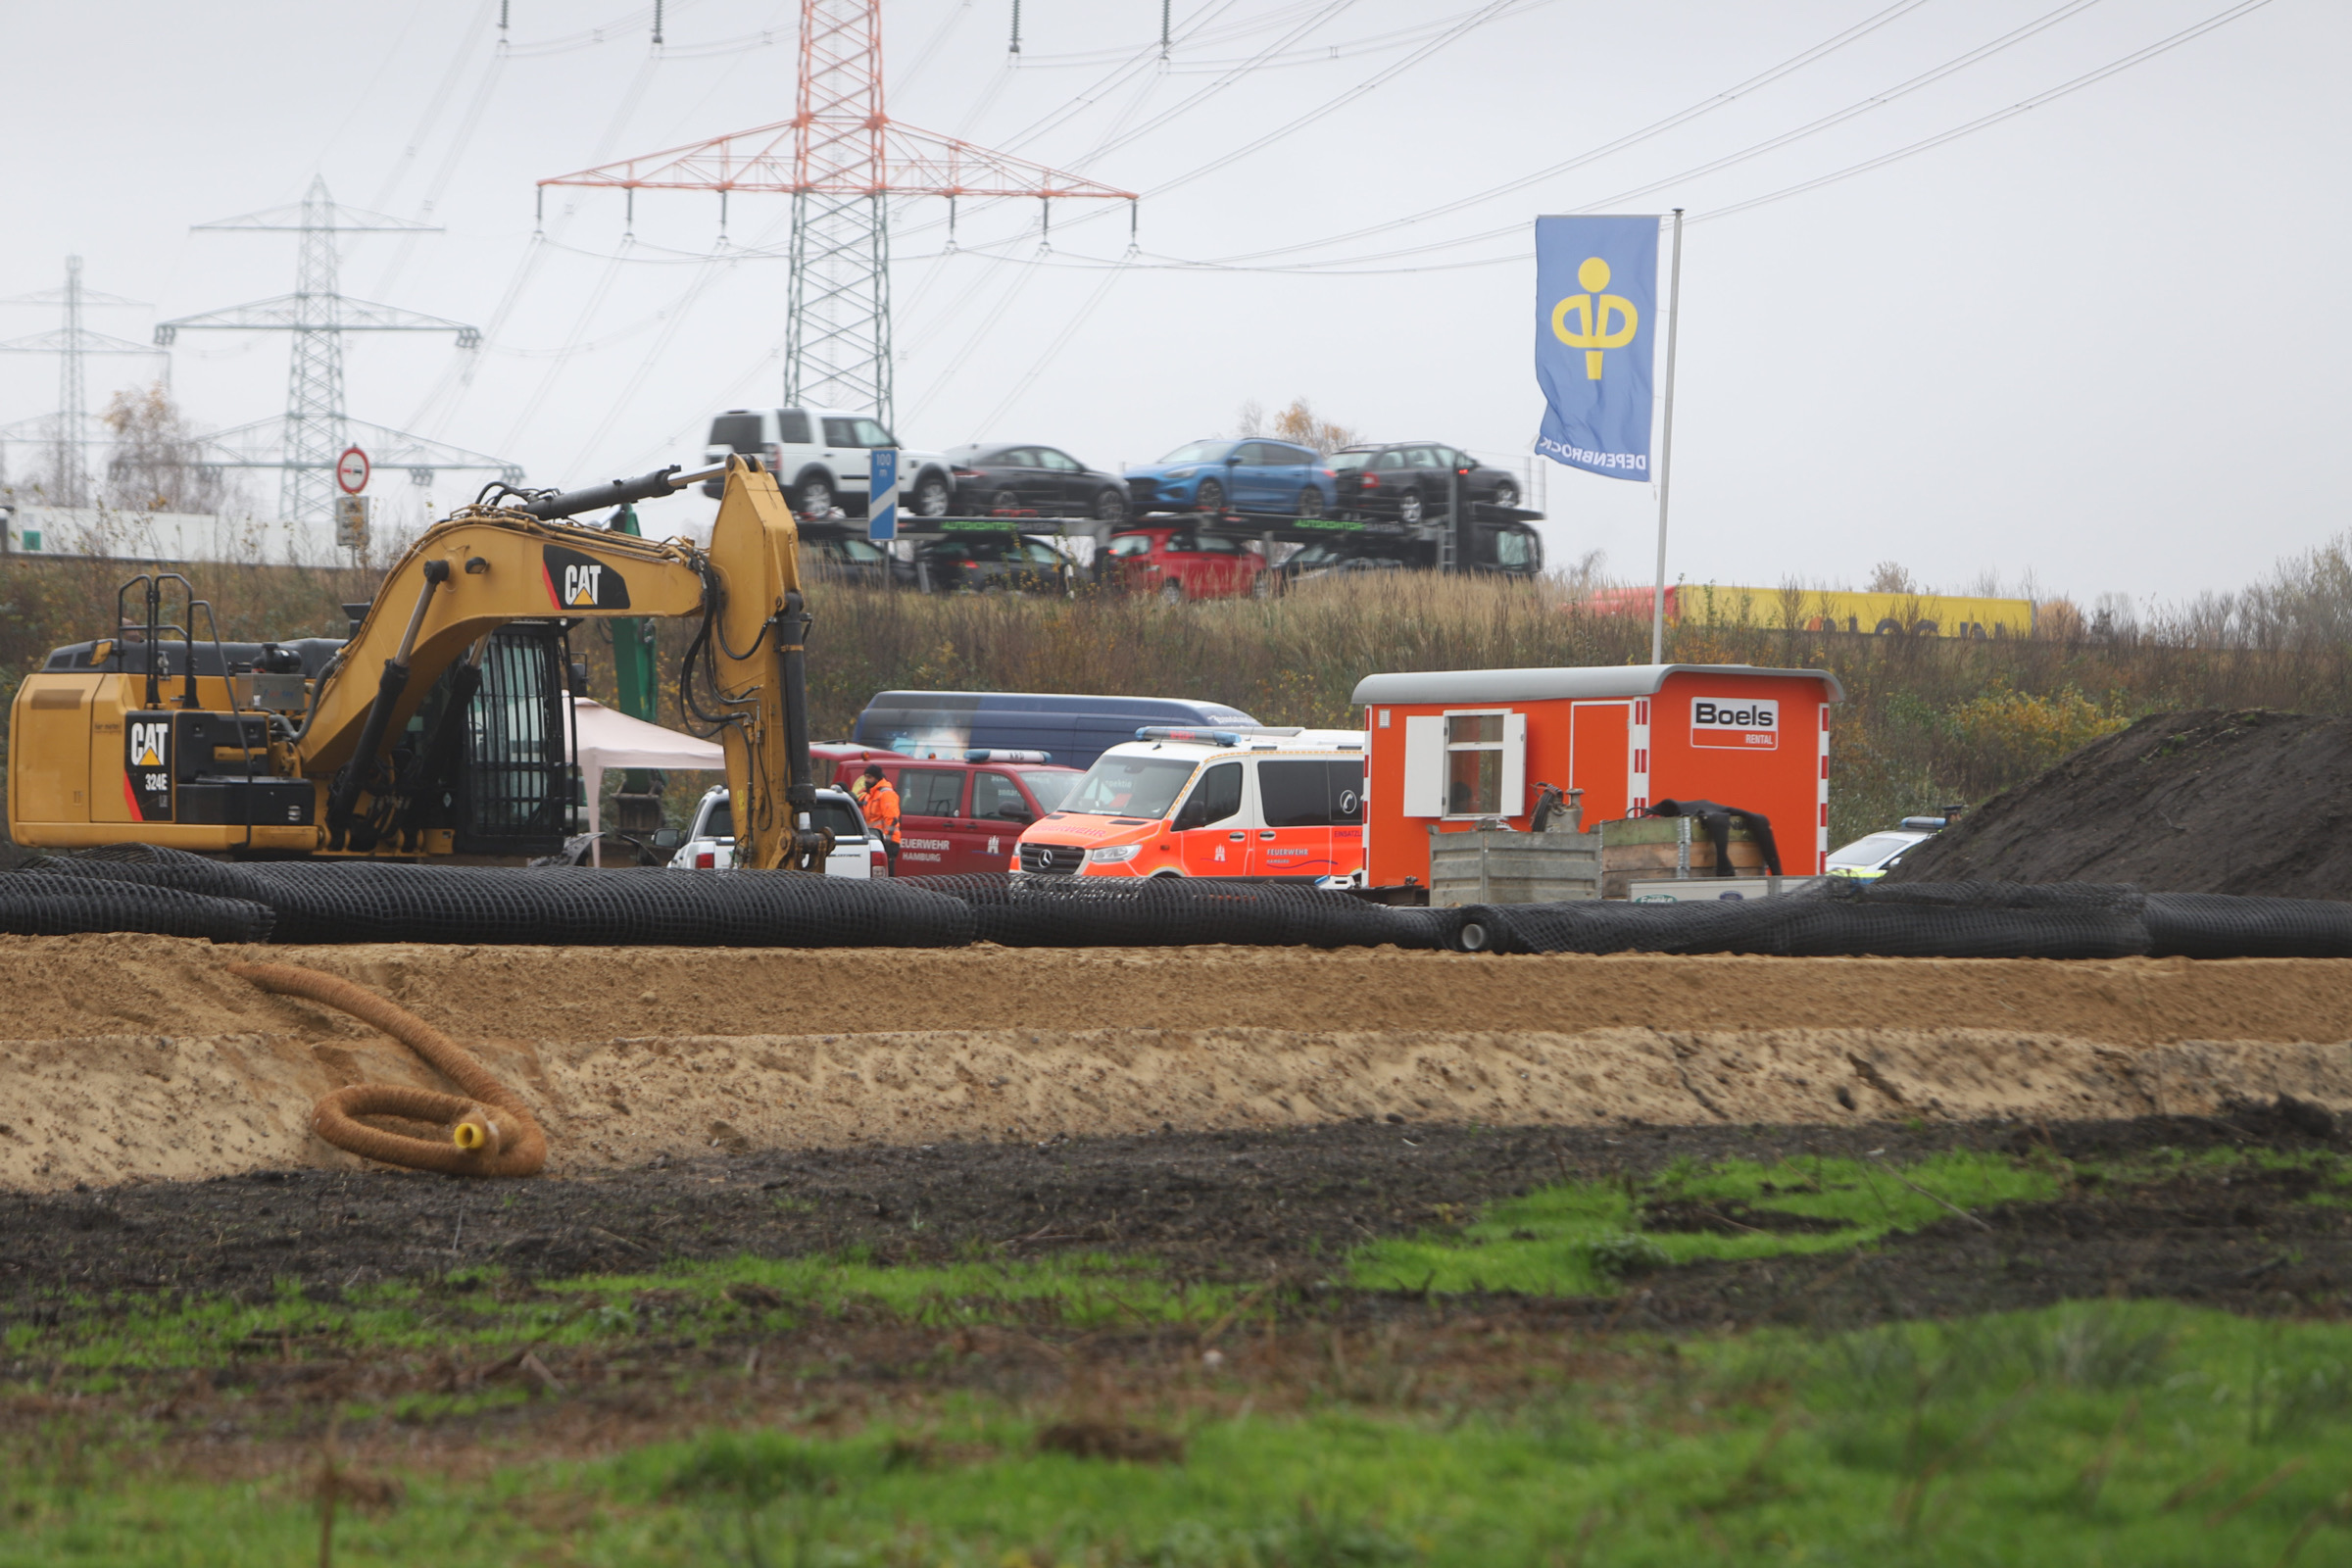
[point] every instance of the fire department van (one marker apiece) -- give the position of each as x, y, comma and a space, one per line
1240, 802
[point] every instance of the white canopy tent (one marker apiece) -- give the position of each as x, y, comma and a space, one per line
611, 738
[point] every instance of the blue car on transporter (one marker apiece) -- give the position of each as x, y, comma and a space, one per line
1252, 476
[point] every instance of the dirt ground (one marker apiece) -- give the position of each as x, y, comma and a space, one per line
140, 1059
2203, 802
1242, 1117
1218, 1206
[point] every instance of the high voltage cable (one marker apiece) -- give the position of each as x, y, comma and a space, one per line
1052, 352
1680, 117
458, 65
1925, 144
2162, 46
1478, 19
1225, 79
1786, 138
1321, 53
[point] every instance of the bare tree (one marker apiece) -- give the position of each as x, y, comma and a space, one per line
1892, 577
1300, 424
156, 464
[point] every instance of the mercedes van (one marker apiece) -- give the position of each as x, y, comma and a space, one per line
1253, 801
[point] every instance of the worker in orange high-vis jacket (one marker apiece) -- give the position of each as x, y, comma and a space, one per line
880, 803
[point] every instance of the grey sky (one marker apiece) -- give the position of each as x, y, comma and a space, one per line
2099, 342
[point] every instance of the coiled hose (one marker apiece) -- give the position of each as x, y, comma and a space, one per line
491, 1134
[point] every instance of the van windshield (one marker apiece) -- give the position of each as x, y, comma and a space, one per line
1048, 788
1129, 786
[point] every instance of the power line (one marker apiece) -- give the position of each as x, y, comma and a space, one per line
1478, 19
2162, 46
1658, 128
1786, 138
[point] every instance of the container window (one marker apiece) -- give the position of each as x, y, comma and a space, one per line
1473, 764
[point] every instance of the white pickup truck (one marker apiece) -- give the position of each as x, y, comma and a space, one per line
711, 843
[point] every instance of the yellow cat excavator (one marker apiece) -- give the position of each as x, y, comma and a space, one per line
439, 729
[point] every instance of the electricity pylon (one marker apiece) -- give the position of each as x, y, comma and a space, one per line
316, 428
841, 159
68, 430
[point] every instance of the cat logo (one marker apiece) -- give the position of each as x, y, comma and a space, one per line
147, 766
150, 745
575, 581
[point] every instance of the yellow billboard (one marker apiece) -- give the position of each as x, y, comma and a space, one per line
1829, 610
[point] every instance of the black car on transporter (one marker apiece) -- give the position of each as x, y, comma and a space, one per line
1410, 481
993, 480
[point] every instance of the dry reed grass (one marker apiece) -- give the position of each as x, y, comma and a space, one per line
1926, 721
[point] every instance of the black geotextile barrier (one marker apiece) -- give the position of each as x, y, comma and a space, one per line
2214, 925
383, 900
1838, 919
34, 903
170, 893
1082, 912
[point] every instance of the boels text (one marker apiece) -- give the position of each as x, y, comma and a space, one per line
1750, 723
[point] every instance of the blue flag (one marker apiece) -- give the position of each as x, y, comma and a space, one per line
1597, 299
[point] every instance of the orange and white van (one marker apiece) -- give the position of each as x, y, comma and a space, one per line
1241, 802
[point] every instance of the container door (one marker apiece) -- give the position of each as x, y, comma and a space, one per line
1600, 757
1294, 796
1212, 836
1344, 786
933, 840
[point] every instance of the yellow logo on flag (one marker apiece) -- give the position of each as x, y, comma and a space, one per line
1592, 310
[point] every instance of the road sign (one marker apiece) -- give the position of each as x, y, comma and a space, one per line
882, 494
351, 470
351, 522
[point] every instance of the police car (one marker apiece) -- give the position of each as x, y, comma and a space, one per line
711, 843
1874, 854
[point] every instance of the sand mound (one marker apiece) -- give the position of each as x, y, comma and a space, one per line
143, 1058
2208, 801
114, 1107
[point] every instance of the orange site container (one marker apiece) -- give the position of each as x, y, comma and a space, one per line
1448, 747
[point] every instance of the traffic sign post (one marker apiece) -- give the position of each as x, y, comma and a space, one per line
351, 470
351, 523
882, 495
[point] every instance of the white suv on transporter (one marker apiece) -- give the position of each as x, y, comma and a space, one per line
819, 458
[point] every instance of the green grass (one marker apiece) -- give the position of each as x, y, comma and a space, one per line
2144, 1434
1582, 1238
692, 1303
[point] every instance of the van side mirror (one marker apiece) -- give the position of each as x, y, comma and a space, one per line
1194, 815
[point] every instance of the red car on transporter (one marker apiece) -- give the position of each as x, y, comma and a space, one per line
1178, 562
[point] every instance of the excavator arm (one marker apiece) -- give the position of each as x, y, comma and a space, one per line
485, 567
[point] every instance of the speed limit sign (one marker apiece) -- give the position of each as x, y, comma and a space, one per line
351, 470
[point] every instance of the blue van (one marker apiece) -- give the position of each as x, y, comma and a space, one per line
1072, 730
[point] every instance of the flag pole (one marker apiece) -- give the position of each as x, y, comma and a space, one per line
1674, 326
